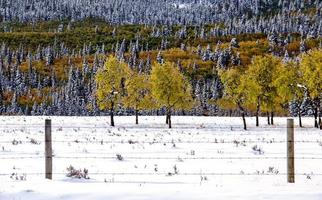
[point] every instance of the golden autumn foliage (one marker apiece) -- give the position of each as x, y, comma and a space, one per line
111, 83
139, 97
286, 80
170, 88
311, 67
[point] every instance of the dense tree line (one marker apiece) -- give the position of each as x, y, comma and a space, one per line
230, 17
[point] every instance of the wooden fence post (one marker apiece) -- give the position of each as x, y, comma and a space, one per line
290, 151
48, 150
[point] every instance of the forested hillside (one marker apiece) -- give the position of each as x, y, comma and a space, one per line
51, 52
230, 17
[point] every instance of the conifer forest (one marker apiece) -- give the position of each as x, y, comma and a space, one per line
173, 57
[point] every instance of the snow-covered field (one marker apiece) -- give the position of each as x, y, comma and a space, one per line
200, 158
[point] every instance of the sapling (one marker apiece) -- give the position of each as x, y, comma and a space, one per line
119, 157
77, 173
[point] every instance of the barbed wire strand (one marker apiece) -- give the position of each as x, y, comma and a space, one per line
160, 158
130, 141
172, 174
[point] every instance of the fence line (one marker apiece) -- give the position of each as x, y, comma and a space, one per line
160, 158
130, 141
49, 156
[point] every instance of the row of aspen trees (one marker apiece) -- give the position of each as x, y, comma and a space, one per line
268, 85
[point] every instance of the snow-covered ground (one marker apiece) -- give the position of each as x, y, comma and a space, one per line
200, 158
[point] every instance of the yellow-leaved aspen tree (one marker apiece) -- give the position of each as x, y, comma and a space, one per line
311, 68
111, 84
170, 88
139, 94
234, 95
287, 81
258, 80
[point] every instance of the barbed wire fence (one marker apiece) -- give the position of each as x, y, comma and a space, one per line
48, 155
